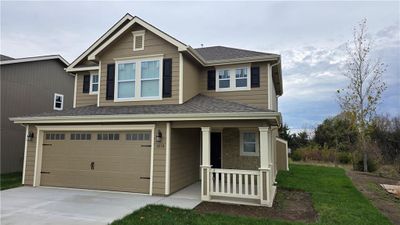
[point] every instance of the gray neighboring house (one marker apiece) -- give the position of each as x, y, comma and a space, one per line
29, 85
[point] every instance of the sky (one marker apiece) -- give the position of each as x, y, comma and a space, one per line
310, 36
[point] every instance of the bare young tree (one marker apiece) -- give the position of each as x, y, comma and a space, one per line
364, 91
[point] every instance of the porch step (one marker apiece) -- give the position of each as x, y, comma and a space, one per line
238, 201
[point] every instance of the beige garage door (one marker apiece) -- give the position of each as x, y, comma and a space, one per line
118, 161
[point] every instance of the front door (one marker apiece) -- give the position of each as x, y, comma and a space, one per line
216, 150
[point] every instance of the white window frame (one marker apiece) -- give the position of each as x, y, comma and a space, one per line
232, 77
62, 101
138, 34
242, 152
138, 80
91, 84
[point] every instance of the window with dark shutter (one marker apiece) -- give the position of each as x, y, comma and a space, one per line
167, 78
211, 80
86, 83
255, 76
110, 82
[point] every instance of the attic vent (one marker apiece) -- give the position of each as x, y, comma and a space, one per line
138, 40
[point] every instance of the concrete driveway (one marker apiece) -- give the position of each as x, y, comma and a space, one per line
41, 205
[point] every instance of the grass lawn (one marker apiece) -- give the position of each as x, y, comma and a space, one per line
10, 180
335, 199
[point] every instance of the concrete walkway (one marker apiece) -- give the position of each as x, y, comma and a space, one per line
41, 205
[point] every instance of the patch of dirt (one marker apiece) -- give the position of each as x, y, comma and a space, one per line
369, 185
288, 205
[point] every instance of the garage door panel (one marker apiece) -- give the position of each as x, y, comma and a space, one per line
120, 165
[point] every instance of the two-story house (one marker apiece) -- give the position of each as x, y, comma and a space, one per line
153, 115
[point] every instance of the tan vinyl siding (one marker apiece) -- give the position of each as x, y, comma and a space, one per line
30, 157
185, 157
153, 45
159, 161
84, 99
257, 97
191, 79
231, 158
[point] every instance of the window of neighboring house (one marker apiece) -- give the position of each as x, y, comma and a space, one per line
249, 143
138, 80
233, 79
138, 40
58, 103
94, 83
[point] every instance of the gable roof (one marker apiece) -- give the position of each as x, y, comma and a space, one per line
4, 57
219, 53
118, 29
34, 59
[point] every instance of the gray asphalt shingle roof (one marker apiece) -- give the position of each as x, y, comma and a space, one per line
198, 104
4, 58
215, 53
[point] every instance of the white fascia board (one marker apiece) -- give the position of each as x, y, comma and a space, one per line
33, 59
82, 69
173, 41
149, 117
102, 38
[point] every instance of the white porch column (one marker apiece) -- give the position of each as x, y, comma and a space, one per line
205, 165
265, 169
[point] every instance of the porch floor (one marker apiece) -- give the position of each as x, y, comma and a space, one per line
188, 197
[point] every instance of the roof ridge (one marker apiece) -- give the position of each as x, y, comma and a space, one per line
235, 48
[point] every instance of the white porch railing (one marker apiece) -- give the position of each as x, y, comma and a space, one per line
235, 183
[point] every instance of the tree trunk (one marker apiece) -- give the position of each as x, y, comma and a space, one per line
365, 155
365, 162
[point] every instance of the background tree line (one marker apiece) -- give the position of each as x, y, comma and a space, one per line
336, 139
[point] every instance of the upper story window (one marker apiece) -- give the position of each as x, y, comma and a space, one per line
58, 102
233, 79
94, 83
138, 40
138, 79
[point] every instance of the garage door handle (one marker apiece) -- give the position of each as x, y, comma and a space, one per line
92, 165
147, 178
44, 172
146, 145
47, 144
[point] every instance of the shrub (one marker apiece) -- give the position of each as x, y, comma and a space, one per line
372, 165
296, 156
344, 157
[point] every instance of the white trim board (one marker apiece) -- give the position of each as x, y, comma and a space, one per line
33, 59
150, 117
168, 159
42, 129
25, 151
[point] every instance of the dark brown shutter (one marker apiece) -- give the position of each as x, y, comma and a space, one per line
86, 83
255, 76
110, 82
167, 78
211, 80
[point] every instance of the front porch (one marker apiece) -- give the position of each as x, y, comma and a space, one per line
241, 186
